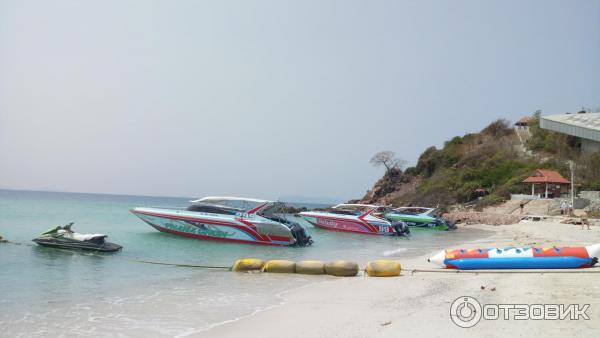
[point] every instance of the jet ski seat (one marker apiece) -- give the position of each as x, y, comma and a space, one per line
80, 237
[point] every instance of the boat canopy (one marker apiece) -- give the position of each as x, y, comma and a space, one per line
238, 203
358, 208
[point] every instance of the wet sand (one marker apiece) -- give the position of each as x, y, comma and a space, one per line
419, 303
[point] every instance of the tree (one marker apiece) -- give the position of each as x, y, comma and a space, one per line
387, 159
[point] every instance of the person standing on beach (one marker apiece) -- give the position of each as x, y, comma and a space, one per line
522, 205
570, 210
563, 207
585, 220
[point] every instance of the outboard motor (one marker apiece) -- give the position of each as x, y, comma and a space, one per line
450, 225
299, 233
400, 228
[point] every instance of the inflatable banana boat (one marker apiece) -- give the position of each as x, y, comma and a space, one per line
518, 258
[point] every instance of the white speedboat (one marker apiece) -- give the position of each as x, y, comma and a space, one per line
229, 219
357, 218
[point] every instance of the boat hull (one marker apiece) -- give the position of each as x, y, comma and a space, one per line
234, 230
350, 225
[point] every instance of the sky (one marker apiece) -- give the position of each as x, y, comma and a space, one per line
271, 99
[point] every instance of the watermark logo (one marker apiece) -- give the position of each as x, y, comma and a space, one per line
466, 312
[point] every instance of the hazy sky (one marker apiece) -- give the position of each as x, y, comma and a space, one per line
271, 98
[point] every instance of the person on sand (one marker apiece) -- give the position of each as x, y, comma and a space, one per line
585, 220
563, 207
570, 210
521, 205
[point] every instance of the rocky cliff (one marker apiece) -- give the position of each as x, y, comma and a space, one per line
393, 185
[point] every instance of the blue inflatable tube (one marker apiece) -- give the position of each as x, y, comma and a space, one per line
519, 263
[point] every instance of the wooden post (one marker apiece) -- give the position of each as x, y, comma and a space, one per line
546, 193
532, 189
572, 183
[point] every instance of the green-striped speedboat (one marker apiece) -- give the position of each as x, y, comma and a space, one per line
419, 217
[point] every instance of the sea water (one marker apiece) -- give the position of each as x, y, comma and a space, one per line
49, 292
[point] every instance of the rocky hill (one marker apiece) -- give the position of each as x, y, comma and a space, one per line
393, 185
493, 162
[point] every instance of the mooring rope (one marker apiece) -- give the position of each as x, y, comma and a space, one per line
595, 269
91, 253
4, 241
180, 265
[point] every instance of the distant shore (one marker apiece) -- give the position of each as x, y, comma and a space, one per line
419, 303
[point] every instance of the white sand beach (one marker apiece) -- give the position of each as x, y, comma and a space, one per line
419, 303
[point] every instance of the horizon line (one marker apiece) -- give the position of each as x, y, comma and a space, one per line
131, 195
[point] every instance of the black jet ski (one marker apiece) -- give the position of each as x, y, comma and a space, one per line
400, 228
64, 238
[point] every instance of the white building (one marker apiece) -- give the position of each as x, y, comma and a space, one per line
585, 126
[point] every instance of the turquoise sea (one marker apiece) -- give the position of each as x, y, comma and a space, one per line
49, 292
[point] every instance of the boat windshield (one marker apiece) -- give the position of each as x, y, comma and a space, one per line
353, 209
414, 211
275, 212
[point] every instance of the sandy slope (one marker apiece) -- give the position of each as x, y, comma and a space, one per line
419, 303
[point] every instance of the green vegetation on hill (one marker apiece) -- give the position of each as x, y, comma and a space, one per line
487, 160
562, 148
493, 160
546, 141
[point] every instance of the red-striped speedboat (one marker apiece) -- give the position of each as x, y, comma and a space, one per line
357, 218
228, 219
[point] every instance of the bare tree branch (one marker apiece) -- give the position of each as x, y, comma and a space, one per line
387, 159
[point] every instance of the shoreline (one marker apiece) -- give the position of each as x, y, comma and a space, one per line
419, 302
320, 279
279, 296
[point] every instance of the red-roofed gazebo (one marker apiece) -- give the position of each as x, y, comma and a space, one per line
550, 181
523, 122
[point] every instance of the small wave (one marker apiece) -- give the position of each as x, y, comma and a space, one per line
279, 296
394, 252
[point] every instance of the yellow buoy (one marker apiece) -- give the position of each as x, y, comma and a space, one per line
342, 268
383, 268
280, 266
248, 264
310, 267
